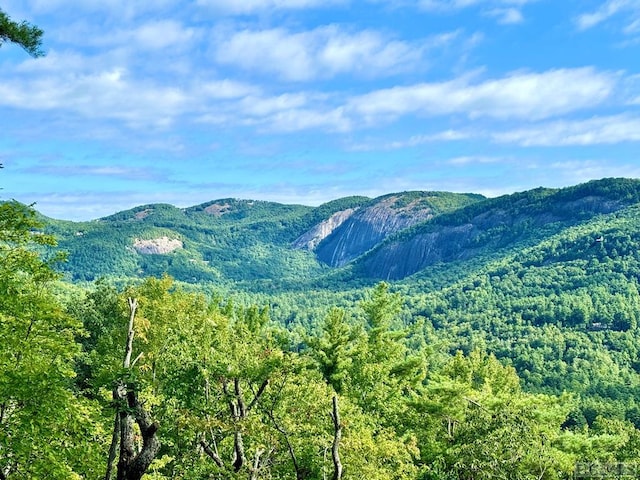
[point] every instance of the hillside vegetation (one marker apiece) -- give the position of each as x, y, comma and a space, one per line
241, 241
503, 343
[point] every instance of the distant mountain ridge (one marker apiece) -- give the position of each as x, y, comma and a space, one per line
269, 245
361, 229
496, 223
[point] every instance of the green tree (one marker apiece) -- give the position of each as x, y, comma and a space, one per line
24, 34
332, 349
474, 422
382, 363
46, 430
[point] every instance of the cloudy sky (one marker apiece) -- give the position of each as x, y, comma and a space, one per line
304, 101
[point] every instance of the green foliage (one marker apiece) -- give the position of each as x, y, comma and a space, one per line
237, 241
459, 372
438, 202
45, 428
333, 348
27, 36
233, 241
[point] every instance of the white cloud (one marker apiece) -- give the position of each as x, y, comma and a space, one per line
633, 27
117, 171
473, 160
123, 10
507, 16
148, 36
293, 120
289, 112
75, 87
519, 95
246, 7
226, 89
162, 34
506, 11
447, 4
579, 171
107, 94
268, 51
607, 10
444, 136
322, 53
594, 131
264, 106
413, 141
112, 87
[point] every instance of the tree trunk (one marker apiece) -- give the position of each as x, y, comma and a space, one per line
301, 474
115, 439
337, 436
132, 464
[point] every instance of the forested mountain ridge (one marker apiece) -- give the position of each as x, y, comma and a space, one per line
385, 216
233, 240
266, 243
496, 223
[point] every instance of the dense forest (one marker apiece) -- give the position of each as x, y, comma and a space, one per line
511, 353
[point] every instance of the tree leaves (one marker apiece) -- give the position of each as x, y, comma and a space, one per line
24, 34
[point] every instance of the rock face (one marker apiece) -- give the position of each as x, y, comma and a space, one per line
217, 209
389, 237
157, 246
491, 227
141, 215
368, 226
312, 238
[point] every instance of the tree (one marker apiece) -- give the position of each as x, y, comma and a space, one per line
382, 363
332, 349
474, 422
133, 460
46, 430
27, 36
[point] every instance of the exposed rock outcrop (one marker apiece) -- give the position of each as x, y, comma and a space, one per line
157, 246
142, 214
492, 228
310, 239
369, 226
217, 209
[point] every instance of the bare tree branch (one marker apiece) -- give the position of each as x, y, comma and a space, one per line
132, 465
337, 436
211, 453
133, 305
258, 394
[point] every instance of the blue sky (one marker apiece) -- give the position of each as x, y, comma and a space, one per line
305, 101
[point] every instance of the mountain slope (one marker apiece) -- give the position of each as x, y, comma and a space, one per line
265, 245
564, 312
225, 240
494, 224
359, 231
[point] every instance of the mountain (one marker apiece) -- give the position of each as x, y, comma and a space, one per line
494, 224
360, 230
263, 245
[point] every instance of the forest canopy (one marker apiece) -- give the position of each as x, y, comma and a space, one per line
155, 379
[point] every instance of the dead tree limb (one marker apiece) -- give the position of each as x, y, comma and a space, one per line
212, 453
337, 436
115, 440
133, 305
133, 462
301, 473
